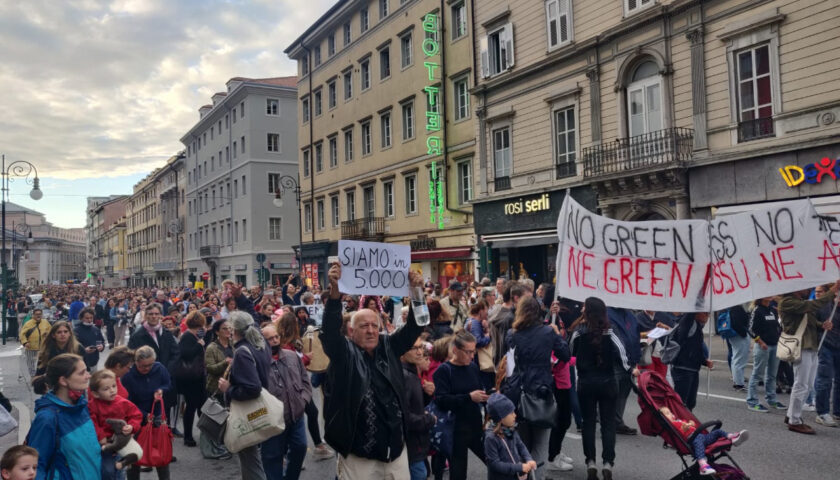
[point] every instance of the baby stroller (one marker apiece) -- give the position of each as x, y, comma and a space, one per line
654, 392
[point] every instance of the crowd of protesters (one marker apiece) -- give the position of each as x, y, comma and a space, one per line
501, 370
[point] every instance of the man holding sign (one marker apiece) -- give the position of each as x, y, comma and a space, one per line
363, 401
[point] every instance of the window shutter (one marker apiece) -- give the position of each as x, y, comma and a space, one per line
508, 36
485, 58
564, 14
552, 22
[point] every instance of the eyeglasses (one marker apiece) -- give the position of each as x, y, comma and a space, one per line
419, 348
468, 352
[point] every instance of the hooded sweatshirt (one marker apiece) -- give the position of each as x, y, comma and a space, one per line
65, 438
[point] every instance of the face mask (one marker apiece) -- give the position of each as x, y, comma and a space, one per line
275, 349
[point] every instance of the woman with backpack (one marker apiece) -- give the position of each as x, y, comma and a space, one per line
62, 431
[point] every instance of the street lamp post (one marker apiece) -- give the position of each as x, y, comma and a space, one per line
288, 182
25, 170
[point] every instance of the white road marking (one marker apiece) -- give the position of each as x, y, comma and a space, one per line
723, 397
24, 421
573, 436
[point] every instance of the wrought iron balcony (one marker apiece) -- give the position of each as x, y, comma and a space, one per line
363, 228
664, 148
502, 183
209, 251
755, 129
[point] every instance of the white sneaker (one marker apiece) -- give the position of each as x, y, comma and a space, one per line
567, 459
809, 407
826, 420
560, 465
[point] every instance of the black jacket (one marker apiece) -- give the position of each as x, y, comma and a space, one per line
419, 422
348, 378
764, 324
691, 356
249, 371
88, 335
166, 348
740, 320
533, 347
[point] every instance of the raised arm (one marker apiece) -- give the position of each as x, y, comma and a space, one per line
334, 343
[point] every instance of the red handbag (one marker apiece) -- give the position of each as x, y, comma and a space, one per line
155, 440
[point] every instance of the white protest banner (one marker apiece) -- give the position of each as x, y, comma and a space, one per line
370, 268
779, 248
316, 313
652, 265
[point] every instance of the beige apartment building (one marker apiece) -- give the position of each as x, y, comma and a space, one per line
645, 110
380, 159
143, 231
106, 232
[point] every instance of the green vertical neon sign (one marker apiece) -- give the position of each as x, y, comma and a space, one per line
434, 145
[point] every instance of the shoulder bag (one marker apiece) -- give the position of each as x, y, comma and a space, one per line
214, 416
537, 407
484, 354
155, 439
254, 421
318, 360
789, 348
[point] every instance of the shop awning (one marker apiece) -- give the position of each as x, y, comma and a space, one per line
523, 239
442, 254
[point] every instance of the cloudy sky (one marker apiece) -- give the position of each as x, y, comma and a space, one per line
97, 93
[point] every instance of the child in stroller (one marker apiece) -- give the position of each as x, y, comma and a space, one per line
702, 440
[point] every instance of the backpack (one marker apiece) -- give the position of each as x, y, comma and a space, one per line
318, 360
724, 325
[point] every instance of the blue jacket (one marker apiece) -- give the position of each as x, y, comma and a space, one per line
88, 335
499, 464
625, 325
532, 352
141, 388
482, 338
75, 308
65, 439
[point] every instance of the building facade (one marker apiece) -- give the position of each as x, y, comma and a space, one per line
645, 110
239, 158
170, 265
143, 232
386, 132
53, 255
106, 223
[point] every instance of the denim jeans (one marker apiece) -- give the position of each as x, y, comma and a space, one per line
740, 356
273, 450
703, 440
828, 370
109, 467
765, 365
804, 373
417, 470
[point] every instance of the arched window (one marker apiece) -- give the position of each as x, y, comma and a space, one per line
644, 99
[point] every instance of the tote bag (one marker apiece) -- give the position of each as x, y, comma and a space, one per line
155, 440
252, 422
789, 348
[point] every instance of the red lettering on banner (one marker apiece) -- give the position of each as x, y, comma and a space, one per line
579, 266
683, 281
653, 278
608, 279
720, 270
829, 254
778, 265
639, 291
626, 273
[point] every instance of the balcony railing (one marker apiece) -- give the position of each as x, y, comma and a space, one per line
502, 183
755, 129
165, 266
209, 251
667, 147
363, 228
